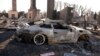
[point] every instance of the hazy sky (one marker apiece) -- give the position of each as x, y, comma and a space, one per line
23, 5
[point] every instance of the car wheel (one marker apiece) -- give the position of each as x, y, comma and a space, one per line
84, 41
39, 39
83, 37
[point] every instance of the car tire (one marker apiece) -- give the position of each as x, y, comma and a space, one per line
39, 39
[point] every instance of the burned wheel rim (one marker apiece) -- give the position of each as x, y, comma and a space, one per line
39, 39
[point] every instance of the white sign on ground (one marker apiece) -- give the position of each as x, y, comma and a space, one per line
48, 54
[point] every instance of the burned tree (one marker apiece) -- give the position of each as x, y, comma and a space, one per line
98, 17
55, 15
95, 16
4, 13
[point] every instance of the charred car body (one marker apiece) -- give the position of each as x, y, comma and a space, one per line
52, 33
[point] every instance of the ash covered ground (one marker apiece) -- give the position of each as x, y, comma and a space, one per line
10, 47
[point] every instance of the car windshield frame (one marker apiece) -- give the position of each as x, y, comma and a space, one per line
45, 26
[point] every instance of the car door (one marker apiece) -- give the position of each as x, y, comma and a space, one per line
47, 29
63, 34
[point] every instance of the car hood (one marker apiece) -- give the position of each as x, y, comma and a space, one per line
77, 28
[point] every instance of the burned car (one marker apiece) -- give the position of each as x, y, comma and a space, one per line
52, 33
